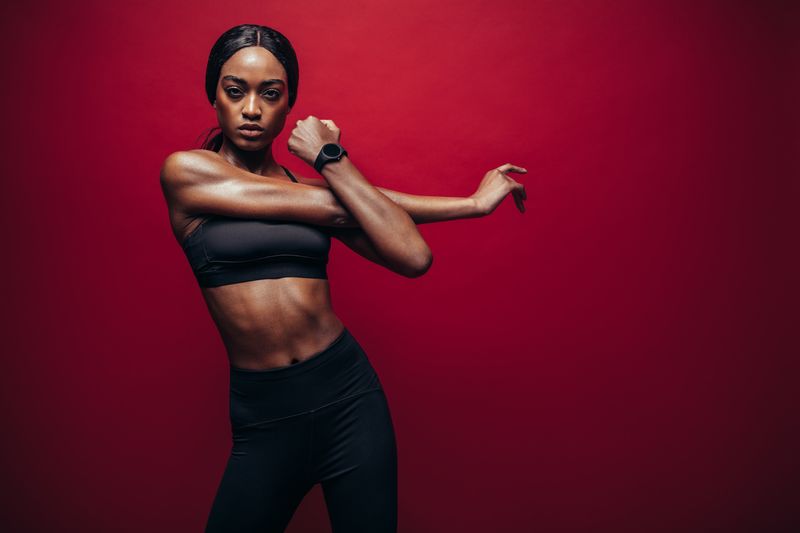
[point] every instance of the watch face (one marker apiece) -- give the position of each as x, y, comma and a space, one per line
331, 150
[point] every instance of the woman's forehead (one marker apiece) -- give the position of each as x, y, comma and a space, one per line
253, 62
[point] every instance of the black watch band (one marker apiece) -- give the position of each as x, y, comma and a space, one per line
329, 152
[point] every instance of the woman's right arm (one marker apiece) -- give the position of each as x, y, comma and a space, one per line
200, 183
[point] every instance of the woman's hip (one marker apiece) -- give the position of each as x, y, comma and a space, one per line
341, 370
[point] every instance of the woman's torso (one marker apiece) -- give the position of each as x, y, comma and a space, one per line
266, 323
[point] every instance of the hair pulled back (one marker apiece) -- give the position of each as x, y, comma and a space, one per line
232, 41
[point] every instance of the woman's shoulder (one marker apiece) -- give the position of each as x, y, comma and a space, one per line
185, 166
187, 157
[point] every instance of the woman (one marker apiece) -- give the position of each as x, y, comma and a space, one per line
306, 405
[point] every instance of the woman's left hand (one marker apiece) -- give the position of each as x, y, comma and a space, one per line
310, 135
496, 185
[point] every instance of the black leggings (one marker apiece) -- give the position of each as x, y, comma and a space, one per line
323, 420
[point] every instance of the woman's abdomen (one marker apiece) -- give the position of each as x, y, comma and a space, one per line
273, 322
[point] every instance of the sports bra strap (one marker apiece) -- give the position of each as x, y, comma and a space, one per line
289, 174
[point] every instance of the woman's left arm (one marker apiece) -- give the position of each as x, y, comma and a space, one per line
425, 209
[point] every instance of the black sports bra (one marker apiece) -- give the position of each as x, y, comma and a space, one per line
224, 250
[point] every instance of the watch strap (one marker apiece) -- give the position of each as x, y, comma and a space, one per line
323, 158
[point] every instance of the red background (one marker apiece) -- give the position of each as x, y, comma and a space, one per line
618, 358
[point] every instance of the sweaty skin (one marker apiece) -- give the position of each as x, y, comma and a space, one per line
272, 323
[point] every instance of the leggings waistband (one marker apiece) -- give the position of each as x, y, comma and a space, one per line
339, 371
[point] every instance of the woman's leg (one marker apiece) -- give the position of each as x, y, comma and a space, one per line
355, 459
265, 479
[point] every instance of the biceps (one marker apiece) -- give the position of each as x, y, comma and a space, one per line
237, 198
198, 185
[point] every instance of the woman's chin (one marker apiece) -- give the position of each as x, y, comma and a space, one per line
251, 146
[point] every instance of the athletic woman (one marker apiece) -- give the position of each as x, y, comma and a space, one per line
306, 405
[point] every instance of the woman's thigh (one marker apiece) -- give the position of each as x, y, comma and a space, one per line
355, 459
265, 479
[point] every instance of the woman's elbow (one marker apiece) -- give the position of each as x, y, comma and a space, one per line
420, 265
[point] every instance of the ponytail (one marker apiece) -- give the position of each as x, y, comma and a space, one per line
212, 143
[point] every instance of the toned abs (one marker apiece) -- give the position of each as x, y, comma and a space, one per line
268, 323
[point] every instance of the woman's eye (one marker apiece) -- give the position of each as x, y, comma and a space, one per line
272, 94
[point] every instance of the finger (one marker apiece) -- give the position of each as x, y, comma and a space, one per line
508, 167
518, 201
329, 123
524, 193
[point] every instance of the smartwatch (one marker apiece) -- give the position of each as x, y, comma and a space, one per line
330, 152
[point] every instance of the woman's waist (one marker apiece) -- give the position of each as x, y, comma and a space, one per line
282, 340
339, 371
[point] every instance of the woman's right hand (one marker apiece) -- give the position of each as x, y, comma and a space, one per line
496, 185
310, 135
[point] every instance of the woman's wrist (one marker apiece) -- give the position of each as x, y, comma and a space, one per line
336, 168
477, 209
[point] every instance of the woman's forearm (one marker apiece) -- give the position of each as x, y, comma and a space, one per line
390, 228
423, 209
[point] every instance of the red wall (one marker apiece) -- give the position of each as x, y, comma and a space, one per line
618, 358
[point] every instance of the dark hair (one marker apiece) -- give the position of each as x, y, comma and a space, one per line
235, 39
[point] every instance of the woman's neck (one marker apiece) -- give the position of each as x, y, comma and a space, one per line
256, 161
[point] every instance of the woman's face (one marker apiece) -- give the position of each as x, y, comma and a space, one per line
252, 89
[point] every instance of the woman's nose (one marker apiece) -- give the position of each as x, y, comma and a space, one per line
251, 107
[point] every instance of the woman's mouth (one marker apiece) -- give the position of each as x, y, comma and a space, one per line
250, 134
